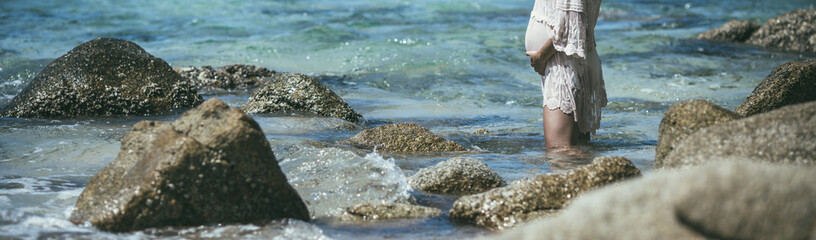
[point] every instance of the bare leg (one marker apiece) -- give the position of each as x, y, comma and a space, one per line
560, 130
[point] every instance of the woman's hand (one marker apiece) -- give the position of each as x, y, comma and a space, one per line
538, 59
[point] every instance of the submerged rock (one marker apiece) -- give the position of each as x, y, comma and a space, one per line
230, 77
103, 77
791, 83
529, 198
685, 118
785, 135
732, 31
792, 31
726, 200
403, 138
459, 175
383, 211
289, 92
212, 165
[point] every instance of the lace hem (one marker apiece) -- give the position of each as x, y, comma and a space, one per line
576, 89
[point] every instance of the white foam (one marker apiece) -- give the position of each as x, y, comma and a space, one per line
331, 179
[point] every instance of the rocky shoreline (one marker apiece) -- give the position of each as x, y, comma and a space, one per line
215, 166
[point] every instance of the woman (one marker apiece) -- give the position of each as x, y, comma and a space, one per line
560, 41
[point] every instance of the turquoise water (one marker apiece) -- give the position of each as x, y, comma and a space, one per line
451, 66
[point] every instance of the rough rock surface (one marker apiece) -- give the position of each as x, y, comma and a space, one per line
380, 211
785, 135
732, 31
230, 77
793, 31
212, 165
459, 175
289, 92
791, 83
403, 138
522, 200
724, 200
684, 118
103, 77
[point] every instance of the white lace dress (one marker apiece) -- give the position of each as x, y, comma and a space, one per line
573, 80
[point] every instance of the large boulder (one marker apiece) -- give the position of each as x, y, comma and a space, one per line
684, 118
403, 138
230, 77
529, 198
732, 31
372, 211
724, 200
212, 165
785, 135
292, 92
792, 31
459, 175
103, 77
791, 83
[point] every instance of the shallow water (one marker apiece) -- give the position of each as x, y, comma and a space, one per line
451, 66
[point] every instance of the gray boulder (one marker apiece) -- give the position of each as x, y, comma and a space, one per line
212, 165
531, 198
724, 200
684, 118
291, 92
103, 77
791, 83
371, 211
785, 135
403, 138
459, 175
792, 31
732, 31
230, 77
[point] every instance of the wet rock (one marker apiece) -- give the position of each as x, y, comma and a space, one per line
290, 92
785, 135
386, 211
724, 200
685, 118
732, 31
459, 175
403, 138
791, 83
212, 165
230, 77
481, 131
526, 199
103, 77
792, 31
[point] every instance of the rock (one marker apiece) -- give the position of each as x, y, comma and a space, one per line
288, 92
230, 77
459, 175
103, 77
725, 200
481, 132
785, 135
732, 31
381, 211
529, 198
792, 31
403, 138
791, 83
684, 118
212, 165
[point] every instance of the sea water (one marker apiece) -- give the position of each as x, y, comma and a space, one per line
451, 66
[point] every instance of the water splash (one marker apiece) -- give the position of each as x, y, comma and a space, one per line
330, 179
